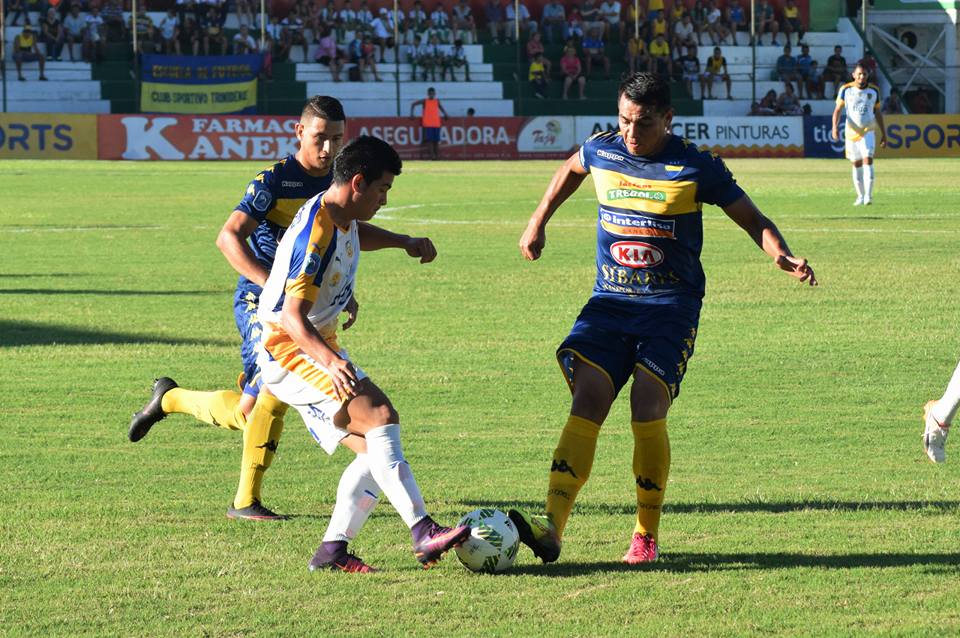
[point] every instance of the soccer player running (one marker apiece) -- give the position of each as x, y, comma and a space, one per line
249, 240
861, 102
937, 417
301, 362
641, 320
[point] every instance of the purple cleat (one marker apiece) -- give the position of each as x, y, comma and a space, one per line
334, 556
431, 541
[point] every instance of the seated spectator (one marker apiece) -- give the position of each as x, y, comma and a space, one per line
554, 21
535, 47
537, 76
736, 19
717, 27
75, 28
415, 55
454, 60
572, 72
25, 49
699, 16
279, 47
369, 60
292, 32
791, 21
346, 20
440, 20
592, 18
113, 21
787, 66
677, 12
364, 17
766, 22
432, 58
150, 43
244, 11
892, 105
689, 69
169, 30
574, 23
683, 33
144, 22
788, 103
527, 25
766, 106
463, 23
716, 69
804, 60
382, 32
658, 25
594, 50
655, 8
660, 57
329, 54
636, 56
493, 13
52, 34
188, 40
836, 70
93, 36
243, 42
18, 9
815, 81
355, 57
613, 25
637, 18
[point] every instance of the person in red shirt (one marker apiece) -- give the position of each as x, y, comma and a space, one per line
430, 120
572, 72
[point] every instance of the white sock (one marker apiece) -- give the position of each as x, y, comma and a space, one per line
393, 474
858, 180
868, 180
357, 495
946, 408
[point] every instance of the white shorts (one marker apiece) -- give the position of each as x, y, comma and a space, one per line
861, 149
307, 387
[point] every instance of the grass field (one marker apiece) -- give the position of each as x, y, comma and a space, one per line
799, 502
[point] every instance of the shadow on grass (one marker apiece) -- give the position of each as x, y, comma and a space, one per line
26, 333
739, 508
112, 293
703, 562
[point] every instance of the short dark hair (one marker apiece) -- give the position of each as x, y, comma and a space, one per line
649, 89
325, 108
367, 156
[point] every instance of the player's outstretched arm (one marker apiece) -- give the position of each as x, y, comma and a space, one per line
232, 242
375, 238
835, 132
565, 182
294, 320
767, 236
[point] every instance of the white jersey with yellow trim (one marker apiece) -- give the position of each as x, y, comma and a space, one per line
861, 107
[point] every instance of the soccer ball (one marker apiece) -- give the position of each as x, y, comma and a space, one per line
493, 543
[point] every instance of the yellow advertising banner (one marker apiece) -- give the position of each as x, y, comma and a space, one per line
47, 136
921, 136
198, 98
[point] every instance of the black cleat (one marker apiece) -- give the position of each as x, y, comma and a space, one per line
254, 512
152, 412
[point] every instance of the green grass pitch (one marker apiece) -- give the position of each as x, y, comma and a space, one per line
799, 502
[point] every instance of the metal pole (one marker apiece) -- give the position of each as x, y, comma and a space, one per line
863, 19
516, 37
136, 57
396, 51
753, 42
3, 52
263, 23
636, 19
261, 86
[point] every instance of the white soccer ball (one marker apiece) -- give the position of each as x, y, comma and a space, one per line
493, 543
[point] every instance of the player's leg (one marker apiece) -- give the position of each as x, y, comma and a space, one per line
261, 437
853, 154
216, 408
937, 418
867, 150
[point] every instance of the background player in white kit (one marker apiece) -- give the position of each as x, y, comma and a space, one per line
861, 102
311, 281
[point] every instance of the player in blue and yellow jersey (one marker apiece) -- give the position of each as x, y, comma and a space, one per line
641, 322
860, 100
249, 241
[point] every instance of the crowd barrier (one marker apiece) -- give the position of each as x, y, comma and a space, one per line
263, 137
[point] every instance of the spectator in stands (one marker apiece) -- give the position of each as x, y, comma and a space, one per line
554, 21
613, 25
188, 38
655, 7
149, 43
736, 19
328, 54
433, 58
766, 106
804, 61
292, 33
892, 105
716, 68
213, 35
52, 34
572, 72
454, 60
113, 20
537, 76
355, 21
836, 70
658, 25
144, 22
382, 30
243, 42
636, 17
441, 23
636, 56
463, 23
683, 33
417, 19
591, 16
787, 66
716, 27
791, 21
279, 47
430, 120
766, 22
660, 56
676, 13
364, 17
574, 23
534, 48
699, 15
369, 57
17, 9
93, 36
527, 25
25, 49
493, 13
788, 103
815, 86
415, 54
75, 28
169, 30
689, 69
244, 11
594, 50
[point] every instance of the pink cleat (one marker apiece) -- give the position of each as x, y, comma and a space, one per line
643, 549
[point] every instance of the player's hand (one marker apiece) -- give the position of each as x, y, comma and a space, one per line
797, 267
352, 309
834, 135
532, 241
421, 247
344, 377
883, 142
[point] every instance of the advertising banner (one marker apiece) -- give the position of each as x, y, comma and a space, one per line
47, 136
210, 84
921, 136
816, 137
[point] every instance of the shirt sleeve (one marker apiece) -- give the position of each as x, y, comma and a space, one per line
309, 258
840, 95
259, 198
587, 150
716, 184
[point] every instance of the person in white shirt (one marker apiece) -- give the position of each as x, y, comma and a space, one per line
610, 10
243, 42
861, 103
463, 23
93, 36
382, 29
169, 28
75, 26
527, 25
554, 22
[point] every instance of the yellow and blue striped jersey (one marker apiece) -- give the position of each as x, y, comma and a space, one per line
650, 225
272, 198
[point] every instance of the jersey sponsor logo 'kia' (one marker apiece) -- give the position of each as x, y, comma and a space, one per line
636, 254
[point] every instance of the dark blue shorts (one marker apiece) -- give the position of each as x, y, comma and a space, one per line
431, 134
621, 337
245, 314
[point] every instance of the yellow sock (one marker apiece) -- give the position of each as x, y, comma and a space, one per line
216, 408
572, 461
651, 465
260, 439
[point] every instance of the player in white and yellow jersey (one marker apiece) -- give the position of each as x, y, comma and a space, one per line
861, 103
301, 363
